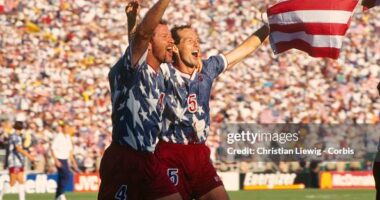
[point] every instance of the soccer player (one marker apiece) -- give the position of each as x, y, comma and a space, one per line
186, 118
376, 164
129, 169
62, 152
16, 158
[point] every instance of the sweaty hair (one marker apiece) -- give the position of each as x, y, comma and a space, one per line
162, 22
175, 31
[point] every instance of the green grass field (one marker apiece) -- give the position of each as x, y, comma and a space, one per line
308, 194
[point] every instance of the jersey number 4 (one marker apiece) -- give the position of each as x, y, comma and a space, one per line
192, 103
121, 194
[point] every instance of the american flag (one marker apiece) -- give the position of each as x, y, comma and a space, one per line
314, 26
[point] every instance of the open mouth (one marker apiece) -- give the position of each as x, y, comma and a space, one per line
195, 53
169, 49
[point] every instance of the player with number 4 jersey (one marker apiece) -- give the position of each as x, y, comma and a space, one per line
129, 170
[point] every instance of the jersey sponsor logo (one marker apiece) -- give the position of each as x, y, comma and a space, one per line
173, 175
192, 103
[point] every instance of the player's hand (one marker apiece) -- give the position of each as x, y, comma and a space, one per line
175, 53
133, 8
175, 50
58, 164
264, 18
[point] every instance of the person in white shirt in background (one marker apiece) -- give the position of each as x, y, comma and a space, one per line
62, 152
16, 158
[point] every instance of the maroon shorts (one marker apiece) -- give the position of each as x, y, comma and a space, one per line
128, 174
376, 174
189, 168
15, 170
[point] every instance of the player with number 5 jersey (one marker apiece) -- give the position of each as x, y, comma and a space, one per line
186, 119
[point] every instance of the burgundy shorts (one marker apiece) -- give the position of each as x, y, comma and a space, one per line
189, 168
15, 170
128, 174
376, 174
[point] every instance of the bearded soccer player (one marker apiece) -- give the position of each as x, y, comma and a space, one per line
186, 120
376, 164
129, 169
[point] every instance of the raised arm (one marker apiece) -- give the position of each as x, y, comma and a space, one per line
146, 28
132, 11
247, 47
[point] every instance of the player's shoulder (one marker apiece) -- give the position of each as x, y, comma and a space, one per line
219, 58
15, 138
168, 71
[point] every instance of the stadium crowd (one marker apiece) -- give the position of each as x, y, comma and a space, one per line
55, 56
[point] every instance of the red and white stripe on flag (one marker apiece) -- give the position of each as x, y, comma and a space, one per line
314, 26
370, 3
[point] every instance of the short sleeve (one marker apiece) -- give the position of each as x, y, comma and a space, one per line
17, 141
215, 65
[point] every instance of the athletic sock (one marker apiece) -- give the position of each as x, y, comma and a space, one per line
21, 192
1, 192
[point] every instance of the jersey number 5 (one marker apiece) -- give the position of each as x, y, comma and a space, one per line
173, 175
192, 103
